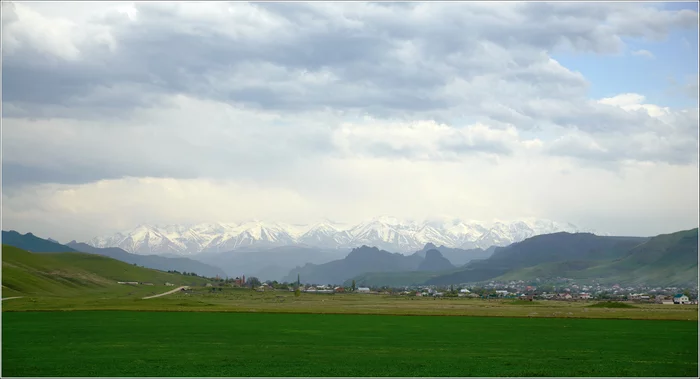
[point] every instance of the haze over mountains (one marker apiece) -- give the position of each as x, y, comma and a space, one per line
385, 233
30, 242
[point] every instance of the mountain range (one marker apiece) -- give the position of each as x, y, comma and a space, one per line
31, 243
360, 260
667, 259
385, 233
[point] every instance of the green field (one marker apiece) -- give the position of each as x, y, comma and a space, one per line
72, 319
246, 300
239, 344
69, 275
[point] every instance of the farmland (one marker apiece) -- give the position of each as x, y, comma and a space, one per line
73, 315
245, 300
239, 344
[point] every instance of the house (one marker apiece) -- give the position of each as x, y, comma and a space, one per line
363, 289
208, 285
169, 284
339, 289
438, 294
585, 296
464, 290
681, 299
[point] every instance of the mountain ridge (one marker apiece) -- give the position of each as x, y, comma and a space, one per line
386, 233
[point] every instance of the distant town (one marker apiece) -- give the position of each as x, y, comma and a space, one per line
561, 289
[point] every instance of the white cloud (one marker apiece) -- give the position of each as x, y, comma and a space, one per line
117, 114
644, 53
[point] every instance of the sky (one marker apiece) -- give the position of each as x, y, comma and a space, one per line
119, 114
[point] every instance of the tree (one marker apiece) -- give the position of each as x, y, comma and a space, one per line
353, 284
253, 281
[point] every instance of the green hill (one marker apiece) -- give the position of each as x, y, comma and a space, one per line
545, 249
68, 274
157, 262
360, 260
667, 259
30, 242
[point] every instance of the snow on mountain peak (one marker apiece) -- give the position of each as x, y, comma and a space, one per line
384, 232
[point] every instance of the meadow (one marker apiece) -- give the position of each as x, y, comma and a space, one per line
72, 319
245, 300
109, 343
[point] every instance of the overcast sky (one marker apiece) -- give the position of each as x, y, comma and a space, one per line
116, 114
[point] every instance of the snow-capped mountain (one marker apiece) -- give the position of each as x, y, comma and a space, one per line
386, 233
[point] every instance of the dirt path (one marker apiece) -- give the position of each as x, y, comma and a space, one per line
14, 297
164, 293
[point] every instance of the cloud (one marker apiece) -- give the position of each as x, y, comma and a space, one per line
644, 53
341, 110
378, 58
363, 188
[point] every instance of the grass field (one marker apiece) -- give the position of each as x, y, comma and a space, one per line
74, 320
244, 300
239, 344
69, 275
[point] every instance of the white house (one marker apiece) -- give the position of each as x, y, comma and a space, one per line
681, 299
464, 290
363, 290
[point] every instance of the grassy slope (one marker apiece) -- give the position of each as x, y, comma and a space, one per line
69, 274
201, 344
542, 249
668, 259
30, 242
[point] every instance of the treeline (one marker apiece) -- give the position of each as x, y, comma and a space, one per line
186, 273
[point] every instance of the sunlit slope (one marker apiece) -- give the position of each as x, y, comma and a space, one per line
67, 274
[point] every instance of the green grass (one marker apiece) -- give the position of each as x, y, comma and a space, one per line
246, 300
611, 304
75, 274
665, 260
238, 344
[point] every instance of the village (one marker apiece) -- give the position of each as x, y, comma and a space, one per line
561, 289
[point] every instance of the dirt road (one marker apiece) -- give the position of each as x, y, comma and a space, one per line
164, 293
10, 298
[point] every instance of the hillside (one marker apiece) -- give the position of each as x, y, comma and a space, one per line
269, 264
457, 257
30, 242
361, 260
543, 249
68, 274
667, 259
434, 261
151, 261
